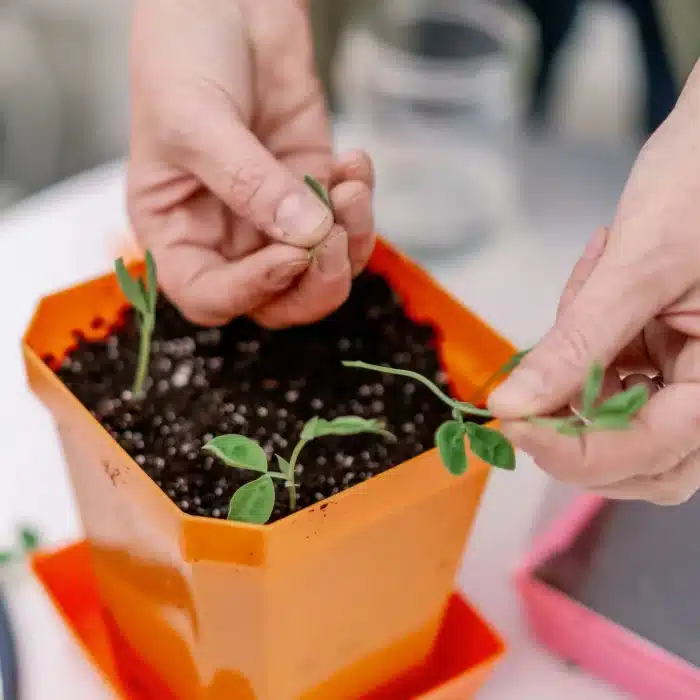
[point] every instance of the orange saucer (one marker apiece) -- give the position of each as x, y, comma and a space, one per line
464, 655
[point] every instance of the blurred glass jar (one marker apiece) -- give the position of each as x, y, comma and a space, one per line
432, 91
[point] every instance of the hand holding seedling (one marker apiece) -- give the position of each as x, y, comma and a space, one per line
219, 148
614, 413
255, 501
633, 303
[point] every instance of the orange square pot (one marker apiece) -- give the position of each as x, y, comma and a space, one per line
230, 610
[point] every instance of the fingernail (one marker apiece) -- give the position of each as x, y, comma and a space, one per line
303, 219
284, 275
516, 395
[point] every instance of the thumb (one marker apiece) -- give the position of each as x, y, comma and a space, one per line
612, 306
238, 169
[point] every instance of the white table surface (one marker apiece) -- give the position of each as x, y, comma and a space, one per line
72, 232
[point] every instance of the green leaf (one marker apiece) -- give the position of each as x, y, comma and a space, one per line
514, 361
343, 425
285, 467
6, 557
491, 446
131, 288
253, 502
611, 423
152, 282
29, 538
592, 388
238, 451
308, 432
626, 404
570, 429
449, 440
319, 190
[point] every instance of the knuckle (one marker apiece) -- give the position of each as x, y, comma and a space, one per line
244, 184
572, 347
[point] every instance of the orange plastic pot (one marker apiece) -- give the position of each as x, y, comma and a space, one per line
325, 604
461, 659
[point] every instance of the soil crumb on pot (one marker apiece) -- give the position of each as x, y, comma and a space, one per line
264, 384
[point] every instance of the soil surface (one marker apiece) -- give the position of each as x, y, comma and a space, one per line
243, 379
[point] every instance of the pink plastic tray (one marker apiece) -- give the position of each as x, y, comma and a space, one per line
582, 636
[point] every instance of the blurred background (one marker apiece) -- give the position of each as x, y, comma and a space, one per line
600, 70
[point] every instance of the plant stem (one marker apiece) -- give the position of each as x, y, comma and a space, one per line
291, 486
461, 406
144, 356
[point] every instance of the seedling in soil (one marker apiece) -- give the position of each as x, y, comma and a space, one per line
28, 541
615, 413
142, 295
255, 501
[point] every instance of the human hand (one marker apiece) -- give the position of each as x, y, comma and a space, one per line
632, 303
227, 118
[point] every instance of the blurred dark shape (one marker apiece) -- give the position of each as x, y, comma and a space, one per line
9, 677
556, 19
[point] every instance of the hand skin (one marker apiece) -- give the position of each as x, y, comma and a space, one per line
227, 118
632, 303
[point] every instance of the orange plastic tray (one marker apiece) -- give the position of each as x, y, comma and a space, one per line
464, 654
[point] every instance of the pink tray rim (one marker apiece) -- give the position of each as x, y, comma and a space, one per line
578, 634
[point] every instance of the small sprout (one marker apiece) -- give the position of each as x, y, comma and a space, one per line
616, 413
255, 501
143, 297
28, 541
319, 190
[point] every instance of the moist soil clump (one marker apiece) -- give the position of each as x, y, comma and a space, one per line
263, 384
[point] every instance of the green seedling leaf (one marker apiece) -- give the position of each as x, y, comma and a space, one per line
285, 467
626, 404
152, 282
6, 557
308, 432
131, 288
29, 538
592, 389
449, 440
238, 451
610, 423
491, 446
319, 190
253, 502
514, 361
571, 429
343, 425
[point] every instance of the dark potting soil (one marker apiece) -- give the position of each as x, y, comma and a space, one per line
638, 565
243, 379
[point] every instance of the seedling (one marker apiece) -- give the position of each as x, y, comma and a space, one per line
28, 541
319, 190
494, 448
255, 501
142, 295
